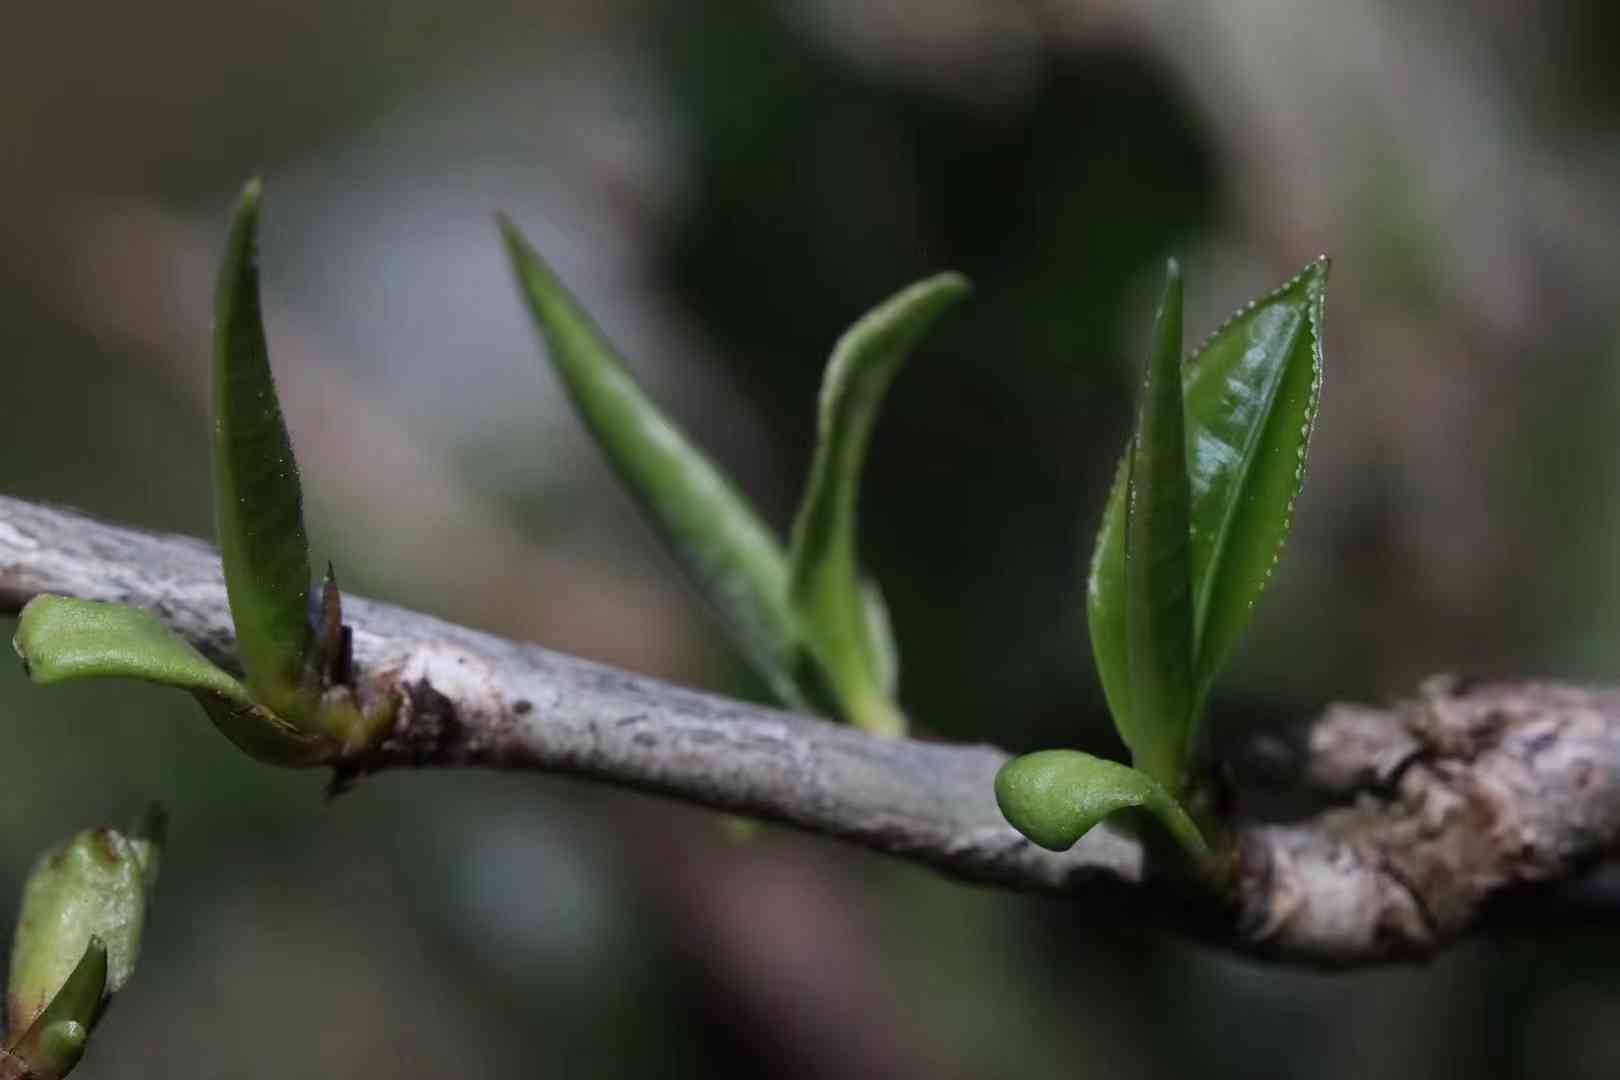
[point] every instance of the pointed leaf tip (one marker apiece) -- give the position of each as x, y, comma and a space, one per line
1252, 393
258, 498
1054, 797
827, 591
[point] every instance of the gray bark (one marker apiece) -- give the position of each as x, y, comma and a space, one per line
1438, 808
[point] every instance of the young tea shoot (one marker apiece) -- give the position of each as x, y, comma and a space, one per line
805, 618
1199, 510
297, 705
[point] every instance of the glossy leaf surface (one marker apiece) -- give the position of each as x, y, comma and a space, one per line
1054, 797
732, 557
258, 501
1251, 394
1249, 401
60, 638
826, 590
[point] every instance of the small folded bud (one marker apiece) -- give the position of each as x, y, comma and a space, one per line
53, 1045
84, 899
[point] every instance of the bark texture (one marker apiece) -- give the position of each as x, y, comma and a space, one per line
1435, 809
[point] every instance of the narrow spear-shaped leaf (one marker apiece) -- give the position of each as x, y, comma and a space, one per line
1054, 797
1146, 618
717, 538
1251, 397
60, 638
258, 503
826, 589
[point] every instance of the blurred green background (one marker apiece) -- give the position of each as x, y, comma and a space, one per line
728, 185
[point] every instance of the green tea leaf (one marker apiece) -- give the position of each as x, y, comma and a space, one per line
258, 503
735, 561
1249, 402
60, 638
826, 589
1251, 396
1054, 797
1144, 622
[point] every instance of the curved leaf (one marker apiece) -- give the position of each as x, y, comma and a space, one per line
1252, 394
1054, 797
258, 503
717, 538
1249, 401
826, 589
60, 638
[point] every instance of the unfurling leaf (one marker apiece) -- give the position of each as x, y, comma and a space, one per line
732, 557
1054, 797
826, 589
60, 638
1249, 398
1251, 395
258, 502
78, 935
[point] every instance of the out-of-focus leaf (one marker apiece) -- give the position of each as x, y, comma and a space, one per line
52, 1045
1249, 401
1151, 630
1251, 396
880, 635
60, 638
1054, 797
258, 502
717, 538
826, 588
48, 1051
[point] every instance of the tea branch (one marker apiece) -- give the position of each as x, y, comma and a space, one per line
1441, 812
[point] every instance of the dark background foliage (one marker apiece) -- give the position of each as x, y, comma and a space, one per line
728, 185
